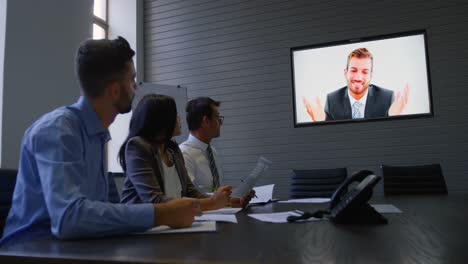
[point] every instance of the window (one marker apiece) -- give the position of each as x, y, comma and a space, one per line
100, 24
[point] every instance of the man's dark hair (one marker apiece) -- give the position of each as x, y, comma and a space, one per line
101, 61
198, 108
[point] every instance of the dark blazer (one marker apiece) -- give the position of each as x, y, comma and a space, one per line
378, 102
144, 181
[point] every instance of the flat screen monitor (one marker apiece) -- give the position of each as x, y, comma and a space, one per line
372, 78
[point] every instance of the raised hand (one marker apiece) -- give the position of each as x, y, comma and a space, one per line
314, 109
400, 102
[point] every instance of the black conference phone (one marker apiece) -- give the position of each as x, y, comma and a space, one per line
348, 204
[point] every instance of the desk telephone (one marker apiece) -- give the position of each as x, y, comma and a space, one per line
349, 205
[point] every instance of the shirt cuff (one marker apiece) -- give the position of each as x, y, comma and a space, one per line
142, 215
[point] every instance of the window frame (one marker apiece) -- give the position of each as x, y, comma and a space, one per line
104, 24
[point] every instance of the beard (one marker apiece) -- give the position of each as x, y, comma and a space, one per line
124, 104
218, 133
358, 87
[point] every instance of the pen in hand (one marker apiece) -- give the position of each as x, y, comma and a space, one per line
208, 188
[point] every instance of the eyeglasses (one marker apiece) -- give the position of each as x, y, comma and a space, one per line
221, 119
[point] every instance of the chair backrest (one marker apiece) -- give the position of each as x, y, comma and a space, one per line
118, 178
7, 186
419, 179
316, 182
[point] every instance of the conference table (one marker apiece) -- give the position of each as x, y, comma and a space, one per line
431, 229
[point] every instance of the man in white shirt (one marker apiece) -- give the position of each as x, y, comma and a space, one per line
204, 123
201, 159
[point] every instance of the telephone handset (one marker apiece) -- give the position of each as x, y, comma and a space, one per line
349, 205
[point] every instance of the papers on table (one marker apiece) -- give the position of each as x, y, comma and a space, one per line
227, 210
386, 208
307, 200
205, 226
264, 194
279, 217
221, 215
249, 182
231, 218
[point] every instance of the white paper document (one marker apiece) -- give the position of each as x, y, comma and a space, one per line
264, 194
307, 200
227, 210
249, 182
279, 217
386, 208
230, 218
202, 226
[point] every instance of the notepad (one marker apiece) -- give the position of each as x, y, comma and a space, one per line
307, 200
197, 227
227, 210
230, 218
264, 194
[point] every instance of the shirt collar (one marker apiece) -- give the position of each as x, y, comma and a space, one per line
197, 143
363, 100
90, 119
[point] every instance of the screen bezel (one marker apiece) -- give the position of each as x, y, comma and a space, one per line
357, 40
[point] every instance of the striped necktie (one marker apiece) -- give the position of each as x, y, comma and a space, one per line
214, 170
356, 113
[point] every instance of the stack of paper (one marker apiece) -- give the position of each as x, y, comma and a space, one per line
208, 226
230, 218
307, 200
226, 210
221, 215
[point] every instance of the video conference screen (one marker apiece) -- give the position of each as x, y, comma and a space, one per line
362, 79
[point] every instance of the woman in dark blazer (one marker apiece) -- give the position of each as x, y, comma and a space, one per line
154, 164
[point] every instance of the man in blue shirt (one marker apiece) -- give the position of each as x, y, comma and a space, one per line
62, 187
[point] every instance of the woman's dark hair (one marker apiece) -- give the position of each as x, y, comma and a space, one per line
153, 119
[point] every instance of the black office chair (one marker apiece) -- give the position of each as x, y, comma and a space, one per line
7, 185
419, 179
116, 180
316, 182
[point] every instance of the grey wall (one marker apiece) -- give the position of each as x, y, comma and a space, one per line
41, 41
237, 51
3, 5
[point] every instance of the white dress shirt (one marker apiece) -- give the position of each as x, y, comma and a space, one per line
363, 101
198, 164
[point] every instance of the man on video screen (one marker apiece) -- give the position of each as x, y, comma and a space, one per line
360, 98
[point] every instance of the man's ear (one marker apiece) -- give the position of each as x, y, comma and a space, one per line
345, 71
113, 90
205, 121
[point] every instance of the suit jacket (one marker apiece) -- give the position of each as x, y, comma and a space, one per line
378, 102
144, 181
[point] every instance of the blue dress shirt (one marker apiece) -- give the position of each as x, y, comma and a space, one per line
62, 187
